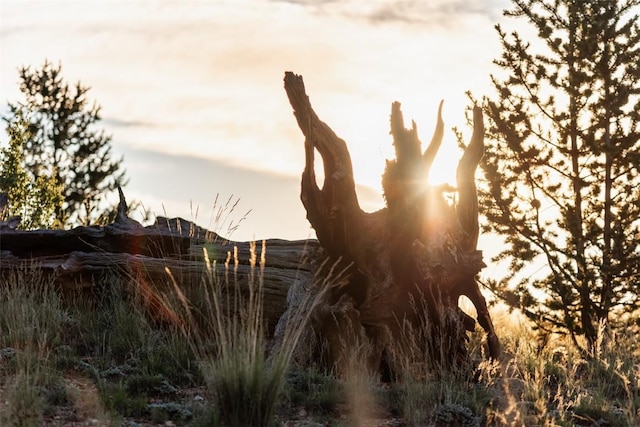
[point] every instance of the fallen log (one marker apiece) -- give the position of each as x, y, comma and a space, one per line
149, 241
124, 235
148, 259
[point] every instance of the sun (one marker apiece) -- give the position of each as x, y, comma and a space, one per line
370, 145
443, 170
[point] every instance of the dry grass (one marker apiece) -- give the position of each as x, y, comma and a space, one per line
112, 364
229, 340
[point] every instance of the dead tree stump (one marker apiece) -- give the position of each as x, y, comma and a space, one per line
408, 263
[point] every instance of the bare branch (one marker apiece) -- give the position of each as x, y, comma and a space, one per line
467, 208
334, 211
436, 140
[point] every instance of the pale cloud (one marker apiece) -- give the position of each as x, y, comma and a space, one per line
435, 13
204, 79
179, 185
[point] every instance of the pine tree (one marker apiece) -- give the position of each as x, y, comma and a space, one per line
65, 140
34, 201
562, 164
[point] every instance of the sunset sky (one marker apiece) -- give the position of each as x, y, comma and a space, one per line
192, 92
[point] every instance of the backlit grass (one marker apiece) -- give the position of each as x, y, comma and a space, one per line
215, 370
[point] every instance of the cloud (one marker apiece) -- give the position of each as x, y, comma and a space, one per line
122, 123
204, 79
179, 185
434, 13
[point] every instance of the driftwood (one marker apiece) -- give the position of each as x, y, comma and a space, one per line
77, 260
408, 263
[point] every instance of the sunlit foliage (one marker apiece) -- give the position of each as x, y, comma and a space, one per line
561, 164
33, 200
64, 141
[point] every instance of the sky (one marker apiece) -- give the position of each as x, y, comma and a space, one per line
192, 92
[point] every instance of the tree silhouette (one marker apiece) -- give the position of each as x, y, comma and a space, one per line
404, 267
64, 141
562, 164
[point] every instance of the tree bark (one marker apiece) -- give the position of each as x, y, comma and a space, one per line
408, 263
79, 260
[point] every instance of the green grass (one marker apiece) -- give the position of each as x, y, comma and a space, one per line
318, 393
245, 382
103, 357
32, 322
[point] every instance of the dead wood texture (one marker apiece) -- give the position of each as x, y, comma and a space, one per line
409, 262
79, 260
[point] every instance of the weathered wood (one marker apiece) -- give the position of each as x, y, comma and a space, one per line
333, 209
76, 260
410, 261
286, 264
124, 235
150, 241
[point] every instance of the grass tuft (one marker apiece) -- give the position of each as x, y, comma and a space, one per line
230, 341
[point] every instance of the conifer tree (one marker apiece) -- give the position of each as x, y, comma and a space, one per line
562, 164
66, 141
33, 201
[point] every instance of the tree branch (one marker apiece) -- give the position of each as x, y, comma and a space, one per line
334, 211
467, 207
436, 140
